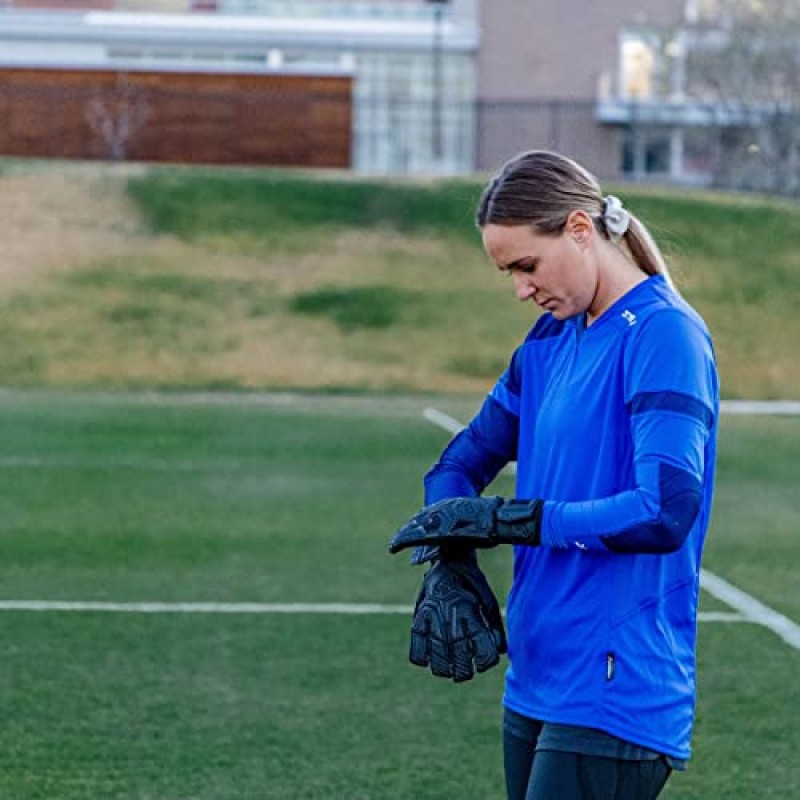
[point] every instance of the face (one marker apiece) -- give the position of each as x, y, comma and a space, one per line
556, 272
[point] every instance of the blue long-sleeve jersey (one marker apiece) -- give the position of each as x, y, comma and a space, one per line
614, 427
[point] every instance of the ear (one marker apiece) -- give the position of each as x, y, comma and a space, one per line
579, 226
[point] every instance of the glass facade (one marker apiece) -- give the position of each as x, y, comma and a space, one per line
406, 121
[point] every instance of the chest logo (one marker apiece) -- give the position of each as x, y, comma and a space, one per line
629, 317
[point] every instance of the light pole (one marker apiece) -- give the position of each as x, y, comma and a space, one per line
436, 61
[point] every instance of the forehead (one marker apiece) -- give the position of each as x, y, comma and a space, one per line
507, 243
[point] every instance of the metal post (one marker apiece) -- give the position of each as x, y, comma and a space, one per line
436, 60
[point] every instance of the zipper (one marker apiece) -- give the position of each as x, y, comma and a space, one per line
611, 664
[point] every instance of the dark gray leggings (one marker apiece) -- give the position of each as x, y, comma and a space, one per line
555, 775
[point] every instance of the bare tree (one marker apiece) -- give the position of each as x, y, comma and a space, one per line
747, 63
116, 116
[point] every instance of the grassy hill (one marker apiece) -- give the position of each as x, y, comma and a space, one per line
179, 277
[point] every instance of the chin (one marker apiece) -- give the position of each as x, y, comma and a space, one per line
562, 314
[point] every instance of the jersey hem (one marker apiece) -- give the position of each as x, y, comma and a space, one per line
634, 737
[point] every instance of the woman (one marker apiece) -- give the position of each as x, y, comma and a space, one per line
610, 409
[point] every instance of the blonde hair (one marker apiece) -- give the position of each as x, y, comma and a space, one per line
541, 189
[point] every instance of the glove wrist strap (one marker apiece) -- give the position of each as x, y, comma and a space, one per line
520, 521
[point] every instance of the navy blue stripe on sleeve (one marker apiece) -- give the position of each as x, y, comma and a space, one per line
680, 498
474, 456
672, 401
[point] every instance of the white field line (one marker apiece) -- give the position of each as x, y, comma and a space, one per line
749, 609
292, 399
205, 608
356, 609
139, 463
768, 407
721, 616
445, 421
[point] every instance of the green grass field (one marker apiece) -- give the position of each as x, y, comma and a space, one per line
292, 499
369, 300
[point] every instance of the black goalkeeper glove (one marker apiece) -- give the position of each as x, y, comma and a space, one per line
457, 622
470, 522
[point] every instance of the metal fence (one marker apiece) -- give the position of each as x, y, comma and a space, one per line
245, 119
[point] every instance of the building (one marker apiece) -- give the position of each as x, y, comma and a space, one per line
401, 122
544, 67
445, 87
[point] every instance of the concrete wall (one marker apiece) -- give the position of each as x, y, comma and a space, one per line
539, 68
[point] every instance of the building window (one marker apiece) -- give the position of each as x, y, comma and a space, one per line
646, 151
638, 70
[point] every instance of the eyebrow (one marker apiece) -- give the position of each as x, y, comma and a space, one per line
518, 264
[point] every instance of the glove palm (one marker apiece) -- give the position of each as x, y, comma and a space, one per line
457, 622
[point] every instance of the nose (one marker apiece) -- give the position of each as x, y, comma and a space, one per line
523, 287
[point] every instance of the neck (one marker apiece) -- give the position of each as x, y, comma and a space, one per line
617, 275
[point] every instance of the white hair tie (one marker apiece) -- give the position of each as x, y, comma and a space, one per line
615, 217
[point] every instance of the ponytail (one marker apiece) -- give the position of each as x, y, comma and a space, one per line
644, 250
